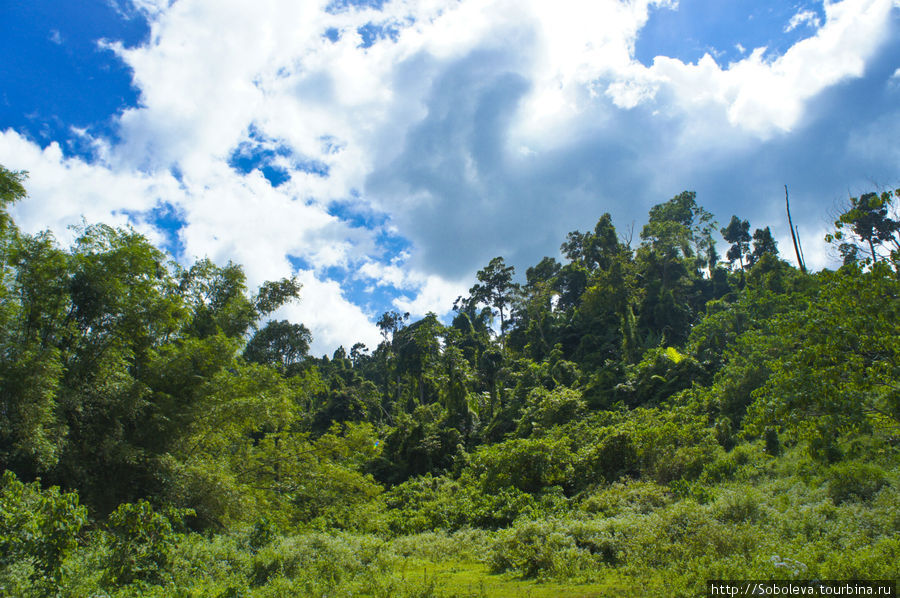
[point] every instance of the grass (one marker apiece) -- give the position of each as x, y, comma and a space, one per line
474, 580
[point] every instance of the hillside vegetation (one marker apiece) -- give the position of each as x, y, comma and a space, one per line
632, 420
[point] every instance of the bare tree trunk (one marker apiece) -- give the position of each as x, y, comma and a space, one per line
787, 205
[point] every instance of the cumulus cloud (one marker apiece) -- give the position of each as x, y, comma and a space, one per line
803, 17
239, 219
64, 191
766, 95
335, 320
473, 128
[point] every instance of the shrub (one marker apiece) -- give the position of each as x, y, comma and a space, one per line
548, 408
315, 558
526, 464
538, 549
742, 462
854, 481
38, 528
613, 457
630, 496
741, 505
141, 542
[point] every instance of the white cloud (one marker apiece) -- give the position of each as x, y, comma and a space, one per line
803, 17
435, 295
430, 293
332, 318
765, 96
479, 127
63, 191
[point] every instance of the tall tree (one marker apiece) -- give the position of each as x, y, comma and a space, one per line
496, 289
866, 227
390, 322
280, 344
11, 191
738, 234
763, 243
677, 245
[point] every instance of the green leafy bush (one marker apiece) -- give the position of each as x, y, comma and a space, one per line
527, 464
629, 496
547, 408
141, 542
539, 549
852, 480
39, 528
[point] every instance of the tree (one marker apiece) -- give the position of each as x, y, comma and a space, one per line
677, 245
281, 344
217, 296
275, 293
390, 322
495, 288
866, 227
738, 234
593, 249
834, 371
763, 243
418, 350
455, 393
11, 191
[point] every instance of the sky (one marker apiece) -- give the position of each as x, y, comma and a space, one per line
383, 151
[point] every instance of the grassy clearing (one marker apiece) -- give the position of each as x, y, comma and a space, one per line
475, 580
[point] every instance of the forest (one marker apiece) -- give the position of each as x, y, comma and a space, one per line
635, 417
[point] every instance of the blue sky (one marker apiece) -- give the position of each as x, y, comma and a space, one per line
383, 151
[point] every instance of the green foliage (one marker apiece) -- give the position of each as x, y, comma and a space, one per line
627, 496
658, 376
738, 234
655, 444
526, 464
834, 372
39, 529
539, 549
418, 445
548, 408
495, 288
645, 419
744, 461
763, 244
142, 542
281, 344
612, 457
866, 228
11, 191
852, 480
428, 503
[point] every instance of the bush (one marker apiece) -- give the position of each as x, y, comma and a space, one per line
315, 559
548, 408
741, 463
613, 457
142, 541
38, 528
539, 549
630, 496
741, 505
526, 464
854, 481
